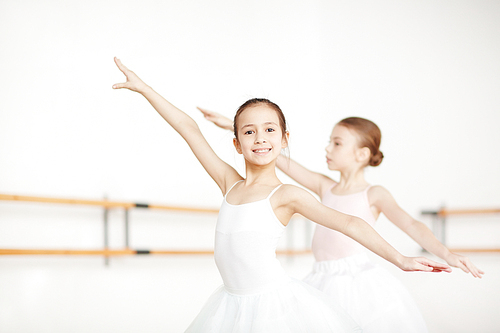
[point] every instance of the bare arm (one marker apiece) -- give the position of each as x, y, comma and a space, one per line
305, 204
313, 181
316, 182
222, 173
418, 231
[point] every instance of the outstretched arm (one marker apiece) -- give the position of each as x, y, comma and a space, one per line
223, 174
305, 204
313, 181
418, 231
218, 119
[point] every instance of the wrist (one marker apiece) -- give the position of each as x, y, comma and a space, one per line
144, 89
446, 255
399, 261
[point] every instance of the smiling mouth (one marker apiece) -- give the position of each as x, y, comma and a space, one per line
261, 151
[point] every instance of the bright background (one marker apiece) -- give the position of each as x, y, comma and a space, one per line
426, 72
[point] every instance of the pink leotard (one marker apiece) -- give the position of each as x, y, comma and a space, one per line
329, 244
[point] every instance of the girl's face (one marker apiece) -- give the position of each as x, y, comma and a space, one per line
342, 150
260, 138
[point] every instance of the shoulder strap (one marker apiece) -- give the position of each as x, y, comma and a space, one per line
272, 192
233, 186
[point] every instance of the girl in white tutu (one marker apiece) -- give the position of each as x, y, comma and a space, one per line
371, 295
257, 295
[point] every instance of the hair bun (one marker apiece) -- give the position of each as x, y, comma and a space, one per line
376, 159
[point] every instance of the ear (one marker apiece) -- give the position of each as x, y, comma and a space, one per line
237, 145
284, 140
363, 155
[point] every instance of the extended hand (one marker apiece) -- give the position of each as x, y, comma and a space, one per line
217, 119
463, 263
423, 264
133, 83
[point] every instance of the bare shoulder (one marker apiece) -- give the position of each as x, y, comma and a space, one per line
378, 193
292, 196
293, 192
326, 183
230, 180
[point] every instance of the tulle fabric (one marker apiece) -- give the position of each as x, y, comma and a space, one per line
375, 299
294, 307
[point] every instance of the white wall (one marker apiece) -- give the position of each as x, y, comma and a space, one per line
426, 72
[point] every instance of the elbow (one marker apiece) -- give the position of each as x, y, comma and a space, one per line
187, 126
351, 226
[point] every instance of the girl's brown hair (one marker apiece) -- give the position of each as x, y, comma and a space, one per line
369, 135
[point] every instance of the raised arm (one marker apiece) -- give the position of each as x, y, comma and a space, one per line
418, 231
222, 173
313, 181
305, 204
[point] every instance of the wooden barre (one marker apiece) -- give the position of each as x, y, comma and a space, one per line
462, 250
449, 212
104, 203
123, 252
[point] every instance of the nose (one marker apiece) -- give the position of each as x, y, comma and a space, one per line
259, 139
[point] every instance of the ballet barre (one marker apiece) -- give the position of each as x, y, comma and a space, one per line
107, 205
439, 224
104, 203
125, 252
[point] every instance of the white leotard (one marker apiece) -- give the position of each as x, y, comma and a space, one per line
246, 238
257, 295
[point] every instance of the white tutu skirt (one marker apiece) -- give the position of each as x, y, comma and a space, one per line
292, 307
374, 298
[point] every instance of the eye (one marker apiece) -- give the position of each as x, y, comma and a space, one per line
270, 129
248, 132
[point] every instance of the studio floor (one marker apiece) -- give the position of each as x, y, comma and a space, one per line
164, 293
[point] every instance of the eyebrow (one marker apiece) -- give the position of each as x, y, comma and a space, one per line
266, 123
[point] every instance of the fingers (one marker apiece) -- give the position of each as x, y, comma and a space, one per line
462, 266
425, 268
413, 264
471, 268
120, 65
119, 85
204, 111
466, 265
434, 266
133, 82
209, 115
122, 68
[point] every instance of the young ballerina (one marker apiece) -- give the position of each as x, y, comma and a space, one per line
257, 295
370, 294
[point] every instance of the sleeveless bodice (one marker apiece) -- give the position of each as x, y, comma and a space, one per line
246, 238
329, 244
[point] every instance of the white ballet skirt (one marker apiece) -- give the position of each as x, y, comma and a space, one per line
372, 296
257, 295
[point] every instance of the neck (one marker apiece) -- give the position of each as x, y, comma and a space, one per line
352, 179
261, 174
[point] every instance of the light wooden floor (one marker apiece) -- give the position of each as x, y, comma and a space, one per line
163, 294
